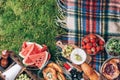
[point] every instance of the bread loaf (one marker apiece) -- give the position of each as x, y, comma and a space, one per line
89, 72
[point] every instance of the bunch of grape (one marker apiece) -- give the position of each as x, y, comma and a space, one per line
76, 75
23, 77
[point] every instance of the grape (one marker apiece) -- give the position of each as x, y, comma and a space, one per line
75, 74
79, 75
23, 77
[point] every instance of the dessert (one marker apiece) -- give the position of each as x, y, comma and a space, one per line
110, 69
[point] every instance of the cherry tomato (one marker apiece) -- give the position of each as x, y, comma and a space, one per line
86, 40
88, 45
101, 42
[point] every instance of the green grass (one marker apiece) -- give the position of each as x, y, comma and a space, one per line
28, 20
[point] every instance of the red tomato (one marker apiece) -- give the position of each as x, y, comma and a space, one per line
101, 42
92, 36
86, 39
88, 45
93, 40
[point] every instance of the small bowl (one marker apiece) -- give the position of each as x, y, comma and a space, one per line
112, 47
78, 56
93, 44
101, 67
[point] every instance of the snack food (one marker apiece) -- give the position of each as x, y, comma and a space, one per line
110, 69
49, 74
93, 44
53, 72
67, 50
55, 66
60, 76
89, 72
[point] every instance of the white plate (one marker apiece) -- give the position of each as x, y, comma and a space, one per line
79, 52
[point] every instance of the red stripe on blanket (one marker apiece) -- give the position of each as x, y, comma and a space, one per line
87, 18
94, 17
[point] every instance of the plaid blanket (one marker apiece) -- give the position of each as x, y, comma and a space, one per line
81, 17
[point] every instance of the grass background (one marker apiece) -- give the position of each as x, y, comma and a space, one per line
28, 20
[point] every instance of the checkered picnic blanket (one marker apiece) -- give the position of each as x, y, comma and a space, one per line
81, 17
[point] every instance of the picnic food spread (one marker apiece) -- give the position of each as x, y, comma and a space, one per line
82, 52
74, 67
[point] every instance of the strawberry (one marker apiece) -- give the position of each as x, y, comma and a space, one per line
101, 42
86, 39
83, 43
93, 49
88, 45
84, 47
98, 48
94, 44
93, 40
89, 51
92, 36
